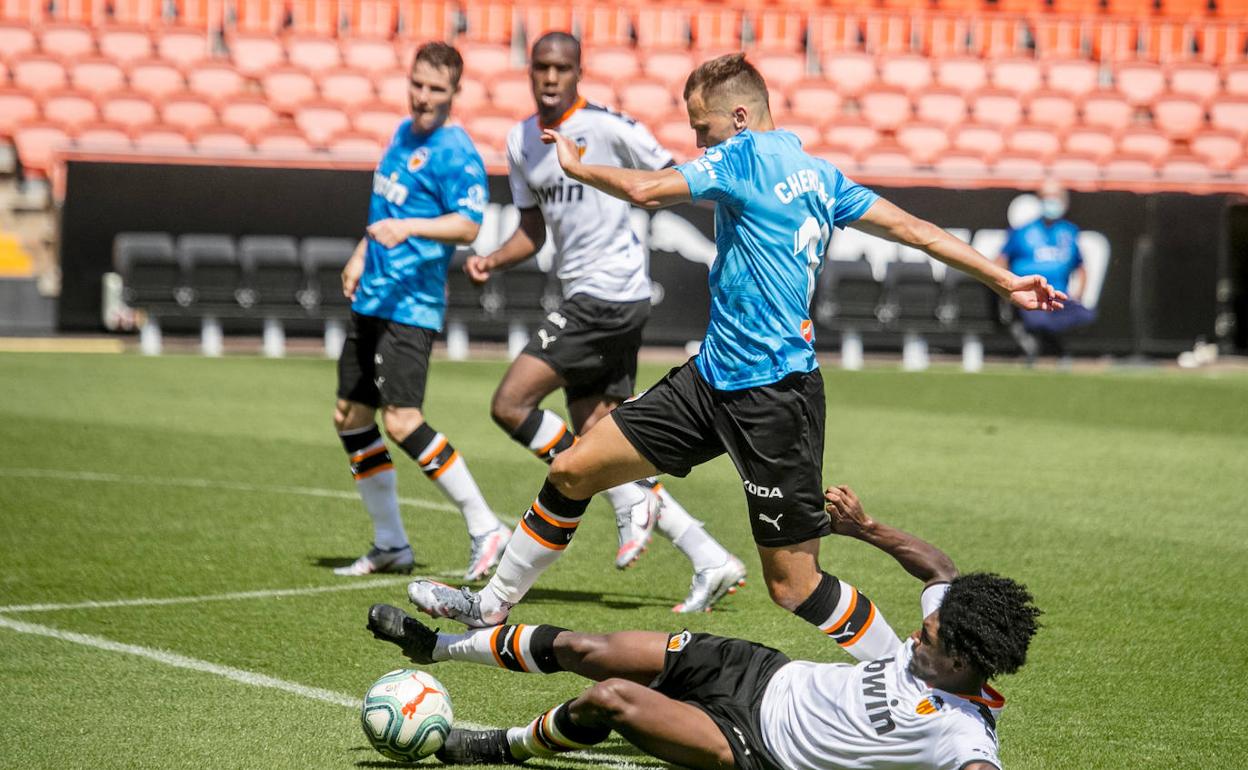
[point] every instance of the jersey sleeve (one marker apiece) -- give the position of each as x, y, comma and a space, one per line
1010, 251
637, 148
464, 185
852, 200
717, 175
964, 740
932, 596
521, 194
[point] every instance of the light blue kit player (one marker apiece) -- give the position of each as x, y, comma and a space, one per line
754, 390
429, 194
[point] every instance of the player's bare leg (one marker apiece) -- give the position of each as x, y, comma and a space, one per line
527, 382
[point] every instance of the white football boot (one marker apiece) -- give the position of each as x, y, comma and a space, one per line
486, 553
636, 526
462, 604
710, 585
380, 560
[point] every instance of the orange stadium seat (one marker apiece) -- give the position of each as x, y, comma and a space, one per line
829, 33
216, 81
616, 65
997, 108
1072, 168
885, 159
1092, 142
595, 91
16, 39
371, 55
538, 18
472, 96
940, 105
1115, 40
842, 160
1195, 79
605, 25
716, 29
1236, 80
97, 76
962, 73
1033, 140
808, 133
155, 78
283, 141
255, 55
1232, 9
662, 27
200, 14
1107, 109
316, 17
1021, 169
887, 33
1222, 43
248, 114
66, 41
885, 107
849, 71
814, 101
490, 130
69, 110
1177, 116
1184, 168
1019, 76
1129, 168
1219, 150
779, 30
425, 19
264, 17
1001, 36
960, 165
946, 36
1230, 113
367, 18
485, 60
320, 122
1077, 77
851, 136
103, 136
17, 107
356, 144
1058, 38
314, 54
780, 69
392, 88
907, 71
923, 141
1053, 109
125, 44
1167, 42
188, 112
183, 46
36, 143
646, 101
288, 87
670, 67
129, 110
512, 95
1140, 82
1184, 9
1139, 9
161, 140
347, 88
222, 140
38, 73
378, 119
1144, 142
983, 140
488, 22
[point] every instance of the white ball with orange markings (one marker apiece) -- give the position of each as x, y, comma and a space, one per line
406, 715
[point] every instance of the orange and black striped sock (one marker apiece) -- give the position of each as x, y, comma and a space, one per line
553, 733
543, 533
376, 482
443, 465
513, 647
849, 618
544, 434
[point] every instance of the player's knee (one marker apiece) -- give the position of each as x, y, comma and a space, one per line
350, 416
786, 593
566, 474
506, 411
399, 424
610, 702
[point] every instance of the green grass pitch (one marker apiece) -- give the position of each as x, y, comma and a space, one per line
1118, 498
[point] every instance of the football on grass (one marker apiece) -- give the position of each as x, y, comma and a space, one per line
406, 714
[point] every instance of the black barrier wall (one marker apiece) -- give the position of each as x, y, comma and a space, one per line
1162, 254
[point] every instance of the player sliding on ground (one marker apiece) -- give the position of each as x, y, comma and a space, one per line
704, 701
754, 390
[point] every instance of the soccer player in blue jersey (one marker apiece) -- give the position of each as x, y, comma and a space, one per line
429, 195
754, 390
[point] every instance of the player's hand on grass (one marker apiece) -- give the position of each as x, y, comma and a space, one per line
390, 232
845, 508
478, 269
1032, 292
569, 153
351, 273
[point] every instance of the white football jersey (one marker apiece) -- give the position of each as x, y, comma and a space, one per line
875, 715
596, 252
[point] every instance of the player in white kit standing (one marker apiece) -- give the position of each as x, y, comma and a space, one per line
588, 347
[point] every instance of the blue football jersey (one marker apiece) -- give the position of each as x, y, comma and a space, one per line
1048, 249
775, 209
418, 177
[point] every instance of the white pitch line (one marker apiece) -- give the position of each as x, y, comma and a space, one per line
240, 675
117, 478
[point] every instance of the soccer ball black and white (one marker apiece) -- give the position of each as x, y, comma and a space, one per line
406, 715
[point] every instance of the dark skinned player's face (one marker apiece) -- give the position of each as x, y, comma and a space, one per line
554, 74
930, 662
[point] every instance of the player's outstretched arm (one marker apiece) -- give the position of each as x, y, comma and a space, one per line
919, 557
1029, 292
526, 241
455, 229
647, 189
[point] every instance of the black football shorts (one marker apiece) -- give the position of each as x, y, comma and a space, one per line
592, 344
384, 363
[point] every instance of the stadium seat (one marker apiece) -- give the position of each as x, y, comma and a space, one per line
1092, 142
1021, 77
646, 101
222, 140
715, 29
1184, 168
188, 112
66, 41
1129, 168
808, 133
1033, 140
1073, 168
670, 67
847, 296
780, 69
128, 109
1236, 80
940, 105
886, 159
1057, 38
605, 24
885, 108
616, 65
1076, 77
966, 305
924, 142
1197, 80
960, 165
887, 34
249, 114
1221, 43
909, 72
96, 77
1140, 82
255, 55
38, 73
213, 270
271, 275
910, 297
678, 138
1220, 150
1178, 117
216, 81
288, 87
156, 140
996, 108
511, 93
153, 278
347, 88
124, 44
485, 61
380, 120
155, 79
356, 144
978, 139
779, 30
1144, 142
814, 101
322, 260
472, 96
17, 107
1052, 109
1019, 169
103, 137
1107, 109
828, 32
491, 130
16, 40
313, 54
36, 144
371, 55
1230, 113
393, 88
69, 110
663, 27
849, 71
839, 158
597, 91
183, 46
368, 18
1115, 40
258, 17
319, 122
852, 136
1184, 9
962, 73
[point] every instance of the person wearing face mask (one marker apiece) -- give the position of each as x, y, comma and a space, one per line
1049, 246
704, 701
429, 195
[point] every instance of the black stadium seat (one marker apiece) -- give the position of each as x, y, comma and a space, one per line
273, 277
848, 296
323, 260
214, 270
525, 292
911, 297
966, 305
152, 276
